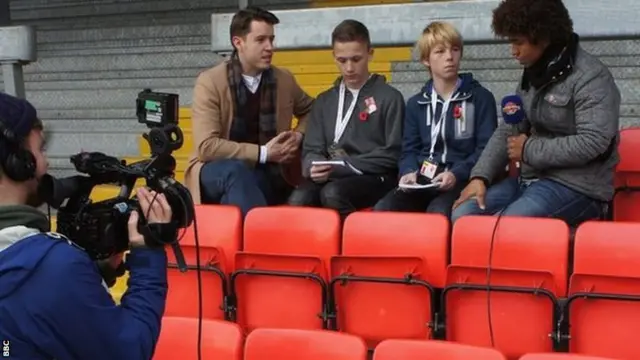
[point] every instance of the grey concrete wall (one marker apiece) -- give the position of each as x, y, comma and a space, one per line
400, 24
496, 70
95, 56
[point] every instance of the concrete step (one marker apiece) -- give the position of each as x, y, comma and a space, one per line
119, 20
62, 144
505, 64
104, 84
82, 126
114, 49
629, 89
415, 73
96, 63
25, 10
124, 120
134, 30
305, 80
97, 98
129, 74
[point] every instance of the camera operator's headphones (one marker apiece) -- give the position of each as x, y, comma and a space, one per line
17, 163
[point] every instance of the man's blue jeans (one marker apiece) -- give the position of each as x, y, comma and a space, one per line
541, 198
232, 182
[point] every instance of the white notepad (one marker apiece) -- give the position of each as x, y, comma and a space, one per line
418, 186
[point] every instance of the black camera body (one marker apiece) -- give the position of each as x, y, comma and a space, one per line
101, 228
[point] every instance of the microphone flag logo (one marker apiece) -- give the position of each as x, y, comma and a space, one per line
510, 108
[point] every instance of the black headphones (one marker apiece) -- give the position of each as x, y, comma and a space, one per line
17, 163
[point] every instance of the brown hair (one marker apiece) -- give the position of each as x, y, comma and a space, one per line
351, 30
241, 21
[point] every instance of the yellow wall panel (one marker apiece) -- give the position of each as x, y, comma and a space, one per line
287, 58
329, 78
330, 68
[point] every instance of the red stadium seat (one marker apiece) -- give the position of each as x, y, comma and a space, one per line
219, 235
433, 349
272, 344
281, 275
383, 283
528, 273
178, 339
626, 202
604, 293
559, 356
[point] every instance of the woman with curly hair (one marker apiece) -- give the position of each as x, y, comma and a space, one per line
567, 143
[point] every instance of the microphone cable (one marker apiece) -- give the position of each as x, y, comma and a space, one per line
490, 265
198, 273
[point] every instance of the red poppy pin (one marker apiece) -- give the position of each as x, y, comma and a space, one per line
457, 112
370, 108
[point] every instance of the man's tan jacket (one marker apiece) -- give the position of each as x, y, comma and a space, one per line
212, 114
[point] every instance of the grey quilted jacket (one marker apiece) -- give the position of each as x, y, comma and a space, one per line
573, 127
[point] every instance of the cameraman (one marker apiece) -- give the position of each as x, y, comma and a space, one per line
53, 301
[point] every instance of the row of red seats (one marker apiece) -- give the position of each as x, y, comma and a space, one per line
224, 341
626, 202
388, 275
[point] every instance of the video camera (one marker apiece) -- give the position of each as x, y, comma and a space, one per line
100, 228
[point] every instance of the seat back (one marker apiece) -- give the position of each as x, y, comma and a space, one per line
382, 253
529, 265
269, 344
605, 268
433, 349
281, 275
219, 237
626, 204
560, 356
178, 339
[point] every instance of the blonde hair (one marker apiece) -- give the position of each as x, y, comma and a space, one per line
437, 33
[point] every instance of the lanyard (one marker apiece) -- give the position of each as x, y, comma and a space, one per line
437, 125
342, 121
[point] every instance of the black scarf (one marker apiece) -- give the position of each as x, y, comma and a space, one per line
555, 64
267, 121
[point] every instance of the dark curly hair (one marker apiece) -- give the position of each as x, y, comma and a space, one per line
538, 20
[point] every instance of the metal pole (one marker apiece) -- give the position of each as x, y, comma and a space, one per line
17, 48
13, 79
5, 13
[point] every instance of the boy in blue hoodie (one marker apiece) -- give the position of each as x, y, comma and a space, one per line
446, 127
54, 303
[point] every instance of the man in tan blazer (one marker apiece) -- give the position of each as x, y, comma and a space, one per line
242, 113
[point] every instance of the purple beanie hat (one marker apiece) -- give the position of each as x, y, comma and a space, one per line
17, 115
